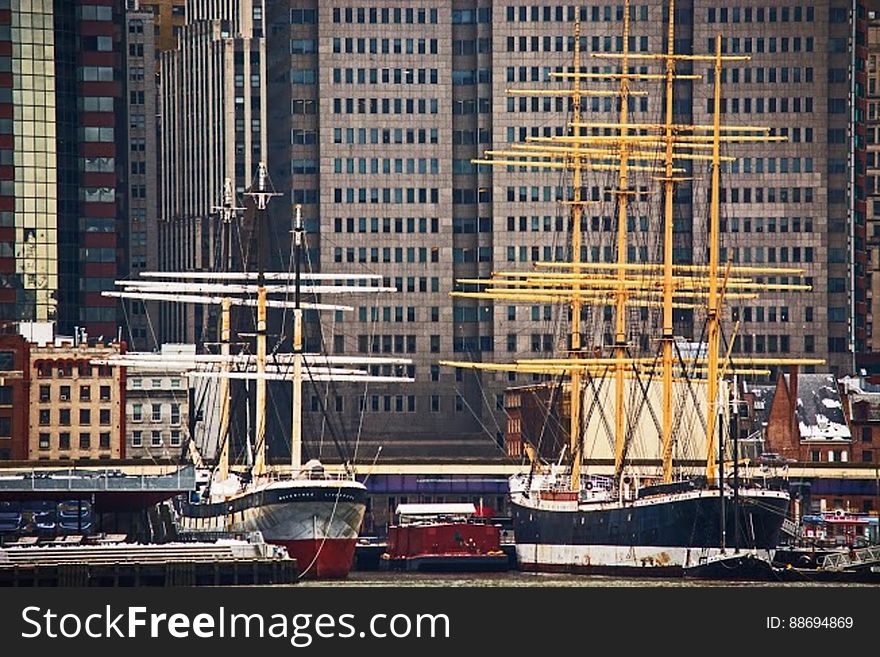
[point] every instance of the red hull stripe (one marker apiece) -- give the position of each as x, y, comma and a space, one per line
325, 559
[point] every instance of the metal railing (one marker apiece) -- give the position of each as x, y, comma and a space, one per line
862, 557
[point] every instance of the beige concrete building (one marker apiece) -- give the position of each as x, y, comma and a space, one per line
157, 412
75, 407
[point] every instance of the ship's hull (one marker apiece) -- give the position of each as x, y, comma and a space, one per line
317, 521
656, 536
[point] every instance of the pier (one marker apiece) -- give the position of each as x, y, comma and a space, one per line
225, 563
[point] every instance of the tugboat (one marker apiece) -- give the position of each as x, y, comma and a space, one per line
443, 538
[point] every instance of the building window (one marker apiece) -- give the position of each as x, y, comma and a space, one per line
64, 440
64, 393
85, 393
175, 437
815, 456
105, 393
866, 434
64, 417
5, 427
104, 418
867, 456
156, 439
85, 416
104, 440
157, 413
137, 412
137, 439
44, 416
44, 441
45, 393
136, 384
85, 440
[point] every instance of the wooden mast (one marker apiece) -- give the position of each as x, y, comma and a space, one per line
261, 196
623, 192
576, 432
668, 183
713, 318
227, 211
296, 420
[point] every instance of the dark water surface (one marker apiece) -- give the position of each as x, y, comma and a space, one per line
517, 579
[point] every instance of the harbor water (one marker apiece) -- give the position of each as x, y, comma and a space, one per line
519, 579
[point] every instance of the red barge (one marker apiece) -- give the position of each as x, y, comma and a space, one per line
443, 538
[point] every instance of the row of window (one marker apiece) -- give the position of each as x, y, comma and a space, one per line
85, 416
382, 15
386, 106
424, 165
385, 136
156, 438
375, 46
548, 194
761, 314
761, 74
770, 254
770, 14
567, 43
397, 314
64, 393
420, 76
387, 344
736, 45
137, 413
63, 440
409, 254
45, 369
156, 384
388, 224
395, 195
569, 14
768, 194
550, 104
772, 105
770, 224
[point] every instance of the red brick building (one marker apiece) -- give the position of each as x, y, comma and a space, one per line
807, 422
14, 385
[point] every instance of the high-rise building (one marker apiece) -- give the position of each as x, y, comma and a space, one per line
375, 111
872, 141
141, 145
62, 193
212, 102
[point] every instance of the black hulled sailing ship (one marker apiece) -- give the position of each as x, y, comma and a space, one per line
312, 512
640, 485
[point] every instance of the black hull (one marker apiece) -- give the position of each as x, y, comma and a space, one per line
667, 521
734, 567
271, 496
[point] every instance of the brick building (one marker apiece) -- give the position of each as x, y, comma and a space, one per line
14, 384
75, 407
807, 420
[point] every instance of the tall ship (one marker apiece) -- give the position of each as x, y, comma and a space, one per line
315, 513
638, 484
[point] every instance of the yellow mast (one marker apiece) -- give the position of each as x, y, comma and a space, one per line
223, 467
633, 147
575, 432
713, 319
623, 192
668, 182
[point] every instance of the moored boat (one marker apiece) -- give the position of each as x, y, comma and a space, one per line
450, 537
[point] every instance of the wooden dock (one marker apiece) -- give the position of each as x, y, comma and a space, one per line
227, 563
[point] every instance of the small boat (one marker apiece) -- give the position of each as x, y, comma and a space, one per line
443, 538
737, 566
